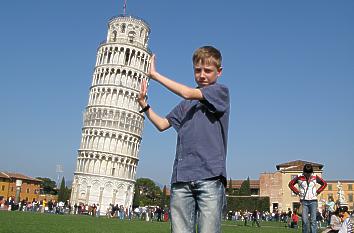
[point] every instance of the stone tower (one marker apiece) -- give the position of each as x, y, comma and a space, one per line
112, 125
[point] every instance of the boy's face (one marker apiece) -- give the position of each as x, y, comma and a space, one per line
206, 74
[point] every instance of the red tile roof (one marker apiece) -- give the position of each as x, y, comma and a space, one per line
4, 175
11, 175
254, 184
298, 165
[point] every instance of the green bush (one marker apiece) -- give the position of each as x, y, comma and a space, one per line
247, 203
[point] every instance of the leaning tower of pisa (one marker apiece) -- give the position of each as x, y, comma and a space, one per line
112, 125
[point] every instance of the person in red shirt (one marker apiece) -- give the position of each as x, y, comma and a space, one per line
294, 219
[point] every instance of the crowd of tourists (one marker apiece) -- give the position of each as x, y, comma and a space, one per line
42, 206
145, 213
330, 219
255, 216
276, 215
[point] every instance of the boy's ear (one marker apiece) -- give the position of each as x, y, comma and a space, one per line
219, 72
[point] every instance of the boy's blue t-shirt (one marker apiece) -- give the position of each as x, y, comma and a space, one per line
202, 128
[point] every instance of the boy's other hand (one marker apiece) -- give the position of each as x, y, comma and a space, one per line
142, 94
152, 69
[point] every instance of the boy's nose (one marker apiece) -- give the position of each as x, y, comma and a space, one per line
202, 74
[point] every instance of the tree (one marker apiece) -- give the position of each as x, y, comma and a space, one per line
136, 198
245, 189
230, 191
164, 197
247, 203
63, 193
47, 185
149, 192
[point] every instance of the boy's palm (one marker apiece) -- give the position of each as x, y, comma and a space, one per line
152, 68
142, 94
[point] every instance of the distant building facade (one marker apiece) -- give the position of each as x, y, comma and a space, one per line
112, 127
30, 187
275, 186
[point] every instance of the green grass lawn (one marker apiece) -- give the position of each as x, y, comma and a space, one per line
23, 222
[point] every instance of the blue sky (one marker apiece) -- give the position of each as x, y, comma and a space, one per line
289, 66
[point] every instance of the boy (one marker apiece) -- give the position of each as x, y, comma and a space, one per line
308, 196
201, 121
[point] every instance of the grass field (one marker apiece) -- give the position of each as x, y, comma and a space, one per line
23, 222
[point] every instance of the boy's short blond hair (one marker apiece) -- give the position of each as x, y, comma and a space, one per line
207, 55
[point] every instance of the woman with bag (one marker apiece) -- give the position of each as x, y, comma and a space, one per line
308, 192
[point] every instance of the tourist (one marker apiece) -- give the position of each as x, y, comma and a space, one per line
288, 217
121, 212
245, 217
330, 208
201, 121
347, 225
137, 212
166, 213
335, 223
98, 208
294, 219
159, 214
130, 212
319, 218
94, 210
255, 218
44, 206
308, 196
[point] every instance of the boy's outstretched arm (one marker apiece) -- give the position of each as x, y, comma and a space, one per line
160, 123
179, 89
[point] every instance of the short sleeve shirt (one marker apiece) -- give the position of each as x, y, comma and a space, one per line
202, 128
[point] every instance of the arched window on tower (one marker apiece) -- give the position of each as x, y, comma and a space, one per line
146, 39
123, 28
114, 36
127, 55
131, 36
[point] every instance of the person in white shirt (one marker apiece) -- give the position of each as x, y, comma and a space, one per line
347, 225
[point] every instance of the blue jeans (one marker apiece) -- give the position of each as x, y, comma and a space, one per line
309, 207
198, 202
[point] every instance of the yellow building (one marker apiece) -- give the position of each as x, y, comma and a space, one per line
332, 190
30, 187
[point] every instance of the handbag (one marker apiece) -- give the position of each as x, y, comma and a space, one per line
299, 211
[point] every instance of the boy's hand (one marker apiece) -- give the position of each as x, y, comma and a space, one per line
142, 94
152, 69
